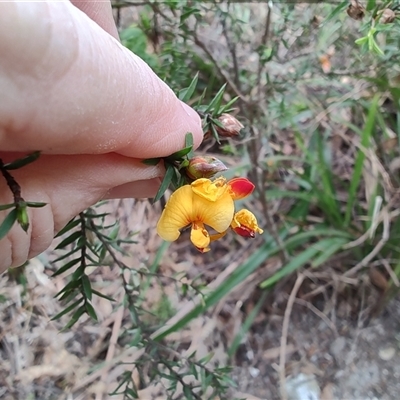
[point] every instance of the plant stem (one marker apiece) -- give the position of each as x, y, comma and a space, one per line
12, 183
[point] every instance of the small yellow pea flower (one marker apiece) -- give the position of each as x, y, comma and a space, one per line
203, 203
244, 223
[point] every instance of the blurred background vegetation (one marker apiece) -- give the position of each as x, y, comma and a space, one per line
318, 95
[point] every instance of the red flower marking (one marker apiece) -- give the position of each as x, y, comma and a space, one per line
240, 188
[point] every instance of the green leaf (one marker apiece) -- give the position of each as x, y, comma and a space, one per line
68, 309
6, 206
8, 223
95, 292
332, 247
215, 103
78, 273
186, 94
295, 263
215, 133
366, 135
87, 287
22, 161
361, 41
35, 204
68, 240
169, 174
71, 224
189, 142
337, 11
67, 266
227, 107
179, 154
78, 313
69, 253
373, 46
371, 4
151, 161
90, 310
67, 288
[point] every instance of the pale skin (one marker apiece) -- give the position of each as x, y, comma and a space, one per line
95, 110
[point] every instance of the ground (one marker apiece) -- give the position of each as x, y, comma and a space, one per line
335, 341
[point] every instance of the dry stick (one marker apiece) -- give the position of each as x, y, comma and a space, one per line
232, 50
390, 271
385, 236
376, 249
263, 42
285, 329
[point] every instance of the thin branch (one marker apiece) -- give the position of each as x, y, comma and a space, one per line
232, 50
285, 330
15, 188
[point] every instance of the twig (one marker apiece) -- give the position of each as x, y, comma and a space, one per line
385, 237
12, 183
263, 42
261, 189
285, 329
232, 50
390, 271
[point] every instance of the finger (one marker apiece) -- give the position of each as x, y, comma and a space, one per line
84, 181
139, 189
69, 87
100, 12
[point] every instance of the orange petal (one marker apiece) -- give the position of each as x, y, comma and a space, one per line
177, 214
217, 214
199, 236
240, 188
209, 190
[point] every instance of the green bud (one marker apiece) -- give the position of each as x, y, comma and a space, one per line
204, 167
22, 216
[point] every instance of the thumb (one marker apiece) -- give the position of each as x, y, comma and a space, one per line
69, 87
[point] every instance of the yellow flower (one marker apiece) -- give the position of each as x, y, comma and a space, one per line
244, 223
203, 203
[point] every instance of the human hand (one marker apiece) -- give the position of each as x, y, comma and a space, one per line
94, 110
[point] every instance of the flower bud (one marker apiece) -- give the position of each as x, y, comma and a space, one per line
204, 167
245, 224
355, 10
388, 16
22, 216
231, 126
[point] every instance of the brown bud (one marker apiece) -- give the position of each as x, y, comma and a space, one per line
204, 167
355, 10
387, 16
231, 126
